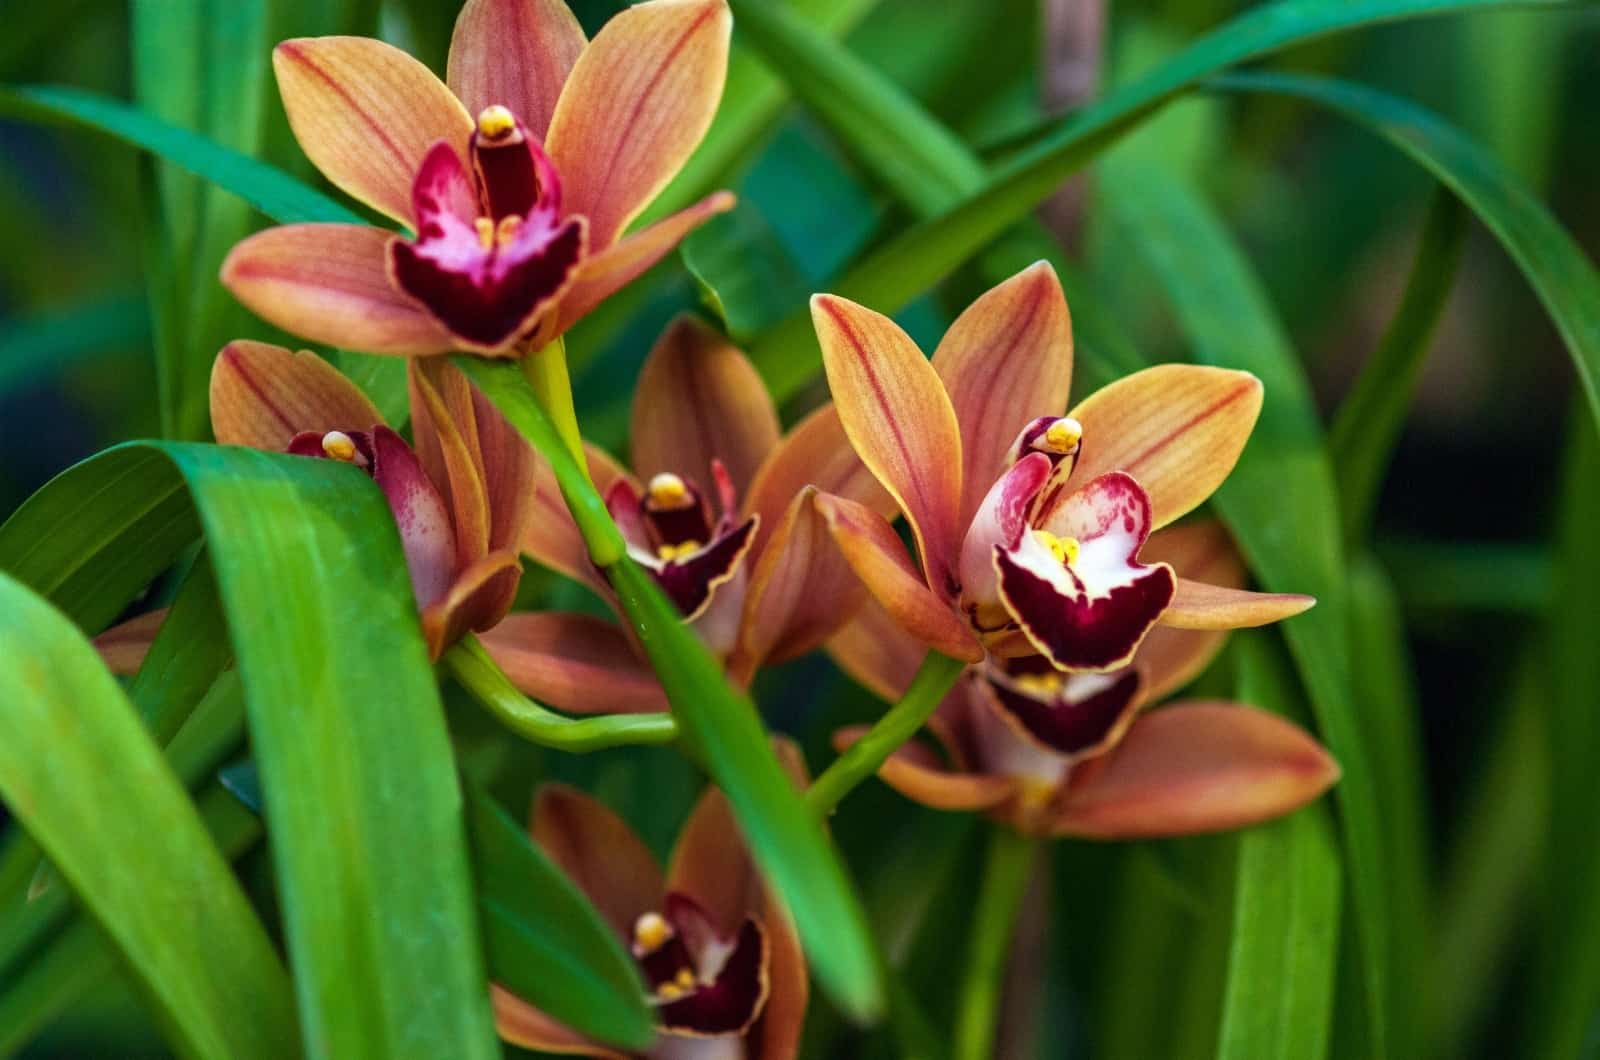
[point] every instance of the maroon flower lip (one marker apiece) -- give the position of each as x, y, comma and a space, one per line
670, 530
704, 983
1072, 714
492, 250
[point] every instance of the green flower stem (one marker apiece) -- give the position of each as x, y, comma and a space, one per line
861, 759
516, 397
1005, 881
546, 370
472, 667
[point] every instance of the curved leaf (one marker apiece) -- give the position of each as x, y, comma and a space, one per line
83, 775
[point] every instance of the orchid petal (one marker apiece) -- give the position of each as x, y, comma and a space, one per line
443, 422
328, 283
815, 453
516, 53
999, 522
263, 395
123, 647
576, 663
877, 653
1196, 767
916, 772
899, 419
426, 530
527, 1027
879, 559
699, 399
607, 269
1196, 605
635, 106
600, 853
366, 113
693, 583
1085, 718
1170, 658
1091, 612
1177, 428
730, 1004
800, 593
1006, 359
711, 864
477, 599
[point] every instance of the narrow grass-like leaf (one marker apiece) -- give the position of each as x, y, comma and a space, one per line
269, 190
1280, 502
1284, 946
546, 942
718, 724
1555, 266
84, 776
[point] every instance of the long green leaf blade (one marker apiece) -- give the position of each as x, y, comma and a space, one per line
84, 776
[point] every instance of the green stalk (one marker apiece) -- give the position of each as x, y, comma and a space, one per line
861, 759
476, 672
1005, 881
546, 369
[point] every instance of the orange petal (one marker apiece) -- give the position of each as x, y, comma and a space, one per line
598, 850
776, 1036
916, 772
365, 113
444, 424
699, 399
879, 559
522, 1025
1006, 360
815, 453
898, 417
1177, 428
1196, 767
635, 106
327, 283
479, 597
801, 591
1171, 658
577, 663
710, 864
604, 272
516, 53
123, 647
876, 653
263, 395
1197, 605
1198, 548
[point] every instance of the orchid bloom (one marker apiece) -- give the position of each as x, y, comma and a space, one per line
719, 511
462, 499
1052, 753
1029, 524
519, 179
717, 952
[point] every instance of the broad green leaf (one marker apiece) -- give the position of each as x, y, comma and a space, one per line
1560, 273
917, 259
271, 191
1280, 501
1284, 945
85, 778
746, 275
367, 836
546, 943
720, 725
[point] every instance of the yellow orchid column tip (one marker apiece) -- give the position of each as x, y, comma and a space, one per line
495, 122
667, 490
1064, 435
339, 446
650, 932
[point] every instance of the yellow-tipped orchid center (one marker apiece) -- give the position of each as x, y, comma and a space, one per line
339, 446
506, 230
667, 490
682, 550
1064, 549
1063, 436
1039, 686
650, 932
485, 228
495, 122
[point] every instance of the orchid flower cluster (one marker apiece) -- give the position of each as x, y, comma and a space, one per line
1050, 549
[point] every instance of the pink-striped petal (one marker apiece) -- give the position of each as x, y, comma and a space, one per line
916, 772
516, 53
576, 663
877, 652
815, 453
477, 599
263, 395
1197, 605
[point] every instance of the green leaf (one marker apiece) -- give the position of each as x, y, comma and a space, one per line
917, 259
719, 724
1280, 501
1561, 274
367, 836
1284, 947
85, 778
546, 942
86, 332
271, 191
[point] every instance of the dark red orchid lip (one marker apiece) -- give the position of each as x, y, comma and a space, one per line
705, 983
1071, 719
690, 581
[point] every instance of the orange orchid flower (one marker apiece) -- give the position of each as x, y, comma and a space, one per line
718, 508
716, 949
520, 212
1029, 524
1054, 754
462, 499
